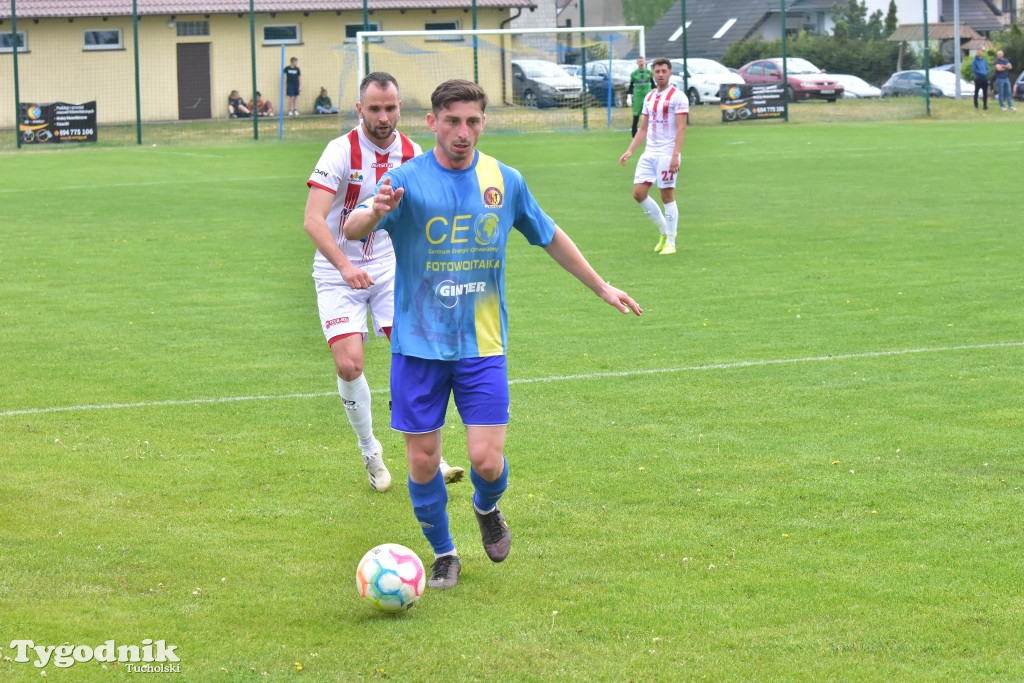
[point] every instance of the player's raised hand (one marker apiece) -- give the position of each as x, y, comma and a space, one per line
386, 198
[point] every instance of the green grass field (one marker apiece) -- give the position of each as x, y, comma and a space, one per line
803, 462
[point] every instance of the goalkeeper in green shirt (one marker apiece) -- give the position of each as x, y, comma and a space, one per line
640, 83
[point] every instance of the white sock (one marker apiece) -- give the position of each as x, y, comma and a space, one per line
356, 397
651, 209
671, 222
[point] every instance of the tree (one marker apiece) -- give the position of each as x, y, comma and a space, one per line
851, 19
645, 12
891, 22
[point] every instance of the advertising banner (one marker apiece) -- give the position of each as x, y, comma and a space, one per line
752, 102
58, 122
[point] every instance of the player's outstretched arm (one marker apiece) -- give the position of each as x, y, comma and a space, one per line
567, 254
362, 221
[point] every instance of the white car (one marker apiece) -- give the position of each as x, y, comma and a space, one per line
946, 80
856, 87
705, 78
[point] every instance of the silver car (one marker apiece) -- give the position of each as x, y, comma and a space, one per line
539, 83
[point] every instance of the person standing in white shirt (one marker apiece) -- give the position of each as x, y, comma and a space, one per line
663, 127
352, 276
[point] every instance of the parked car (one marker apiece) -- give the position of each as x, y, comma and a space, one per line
540, 83
573, 69
804, 80
1018, 87
704, 78
856, 87
601, 78
942, 84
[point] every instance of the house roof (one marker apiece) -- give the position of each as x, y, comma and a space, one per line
706, 18
43, 9
942, 31
982, 15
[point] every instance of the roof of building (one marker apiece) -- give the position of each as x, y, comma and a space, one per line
940, 31
708, 17
43, 9
705, 19
982, 15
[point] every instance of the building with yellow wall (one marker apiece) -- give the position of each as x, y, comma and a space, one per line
192, 54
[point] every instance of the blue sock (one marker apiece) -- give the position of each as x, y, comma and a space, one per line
430, 505
488, 493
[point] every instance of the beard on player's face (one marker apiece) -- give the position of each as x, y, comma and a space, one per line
379, 131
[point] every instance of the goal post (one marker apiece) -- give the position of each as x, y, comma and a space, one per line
519, 69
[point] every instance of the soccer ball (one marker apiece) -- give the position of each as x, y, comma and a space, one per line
390, 577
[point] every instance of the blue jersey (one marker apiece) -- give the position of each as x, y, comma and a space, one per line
449, 232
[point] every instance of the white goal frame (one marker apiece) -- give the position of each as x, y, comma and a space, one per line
363, 37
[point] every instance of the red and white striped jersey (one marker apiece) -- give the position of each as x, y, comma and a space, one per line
349, 169
661, 108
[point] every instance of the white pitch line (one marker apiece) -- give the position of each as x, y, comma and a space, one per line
535, 380
154, 183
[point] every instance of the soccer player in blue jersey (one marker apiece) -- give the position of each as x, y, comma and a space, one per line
449, 213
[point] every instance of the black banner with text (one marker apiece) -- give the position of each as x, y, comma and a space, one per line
58, 122
752, 102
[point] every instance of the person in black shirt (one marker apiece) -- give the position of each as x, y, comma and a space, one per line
236, 106
293, 85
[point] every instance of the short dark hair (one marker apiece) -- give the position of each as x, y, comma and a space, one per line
381, 78
662, 60
457, 90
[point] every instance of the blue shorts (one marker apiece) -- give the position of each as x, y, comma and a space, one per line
420, 389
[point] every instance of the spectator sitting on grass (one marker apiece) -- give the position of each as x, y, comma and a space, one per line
323, 103
236, 107
263, 107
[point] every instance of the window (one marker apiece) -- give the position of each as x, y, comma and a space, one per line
444, 26
7, 42
352, 29
193, 28
106, 39
678, 32
725, 27
282, 34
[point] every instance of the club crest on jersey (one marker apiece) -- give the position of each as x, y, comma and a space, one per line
486, 229
493, 198
356, 176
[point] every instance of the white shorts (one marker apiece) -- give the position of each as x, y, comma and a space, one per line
653, 170
343, 309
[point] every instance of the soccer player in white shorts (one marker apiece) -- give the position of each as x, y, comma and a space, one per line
352, 276
663, 126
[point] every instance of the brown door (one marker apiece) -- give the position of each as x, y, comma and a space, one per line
194, 81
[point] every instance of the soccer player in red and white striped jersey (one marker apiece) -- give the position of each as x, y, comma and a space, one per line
352, 276
663, 126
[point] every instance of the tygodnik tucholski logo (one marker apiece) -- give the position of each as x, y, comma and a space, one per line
149, 657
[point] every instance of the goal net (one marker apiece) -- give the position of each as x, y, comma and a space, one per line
535, 79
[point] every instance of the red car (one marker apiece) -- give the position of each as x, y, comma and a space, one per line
806, 81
